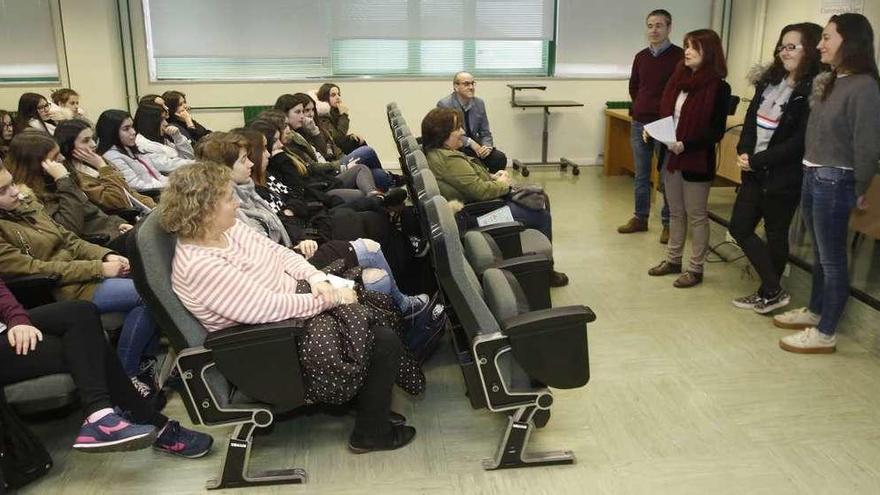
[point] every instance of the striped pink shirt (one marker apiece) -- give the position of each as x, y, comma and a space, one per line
251, 281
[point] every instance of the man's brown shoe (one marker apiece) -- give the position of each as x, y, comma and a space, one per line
664, 236
635, 224
665, 268
688, 279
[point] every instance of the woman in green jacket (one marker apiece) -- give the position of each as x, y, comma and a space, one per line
31, 243
461, 178
37, 166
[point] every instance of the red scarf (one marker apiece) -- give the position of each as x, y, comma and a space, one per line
696, 114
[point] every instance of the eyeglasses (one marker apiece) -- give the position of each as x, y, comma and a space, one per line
467, 83
788, 48
6, 124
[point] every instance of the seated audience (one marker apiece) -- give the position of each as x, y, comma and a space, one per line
32, 244
334, 119
117, 144
37, 169
101, 182
477, 140
7, 130
461, 178
166, 147
65, 106
33, 111
366, 253
254, 280
321, 140
178, 116
66, 337
356, 180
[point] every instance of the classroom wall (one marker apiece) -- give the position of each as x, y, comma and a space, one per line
95, 68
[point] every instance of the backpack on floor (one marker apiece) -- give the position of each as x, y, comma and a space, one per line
22, 457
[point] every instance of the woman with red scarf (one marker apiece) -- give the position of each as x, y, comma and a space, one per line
697, 98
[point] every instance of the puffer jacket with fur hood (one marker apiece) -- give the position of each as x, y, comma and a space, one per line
778, 168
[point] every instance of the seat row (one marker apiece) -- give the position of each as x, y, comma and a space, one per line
512, 345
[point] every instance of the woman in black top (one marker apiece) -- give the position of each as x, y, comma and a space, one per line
770, 151
178, 116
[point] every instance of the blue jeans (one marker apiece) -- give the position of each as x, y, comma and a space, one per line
642, 153
827, 197
368, 157
376, 259
533, 219
139, 335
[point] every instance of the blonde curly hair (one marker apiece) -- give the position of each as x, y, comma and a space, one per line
190, 197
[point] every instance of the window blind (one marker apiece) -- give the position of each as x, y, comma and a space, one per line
27, 37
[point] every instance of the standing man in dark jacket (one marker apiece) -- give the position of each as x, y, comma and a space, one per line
651, 68
477, 141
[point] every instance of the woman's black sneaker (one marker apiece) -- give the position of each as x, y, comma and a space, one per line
396, 438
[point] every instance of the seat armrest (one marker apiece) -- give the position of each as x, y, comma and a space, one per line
551, 344
242, 335
33, 290
506, 236
532, 272
483, 207
262, 361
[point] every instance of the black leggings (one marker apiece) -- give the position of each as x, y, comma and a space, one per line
73, 342
769, 259
374, 397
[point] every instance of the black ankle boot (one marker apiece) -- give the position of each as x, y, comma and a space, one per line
396, 438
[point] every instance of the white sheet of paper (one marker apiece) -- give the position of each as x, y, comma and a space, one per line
662, 130
339, 282
501, 215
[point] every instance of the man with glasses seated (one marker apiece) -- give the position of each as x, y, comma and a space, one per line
477, 141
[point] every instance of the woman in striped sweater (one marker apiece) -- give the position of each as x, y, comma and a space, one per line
227, 274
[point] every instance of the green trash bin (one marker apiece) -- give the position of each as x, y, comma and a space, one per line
251, 112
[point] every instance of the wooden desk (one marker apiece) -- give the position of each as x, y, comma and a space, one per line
618, 150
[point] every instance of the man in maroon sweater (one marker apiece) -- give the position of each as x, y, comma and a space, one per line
651, 68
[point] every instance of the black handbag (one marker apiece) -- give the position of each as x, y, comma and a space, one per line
23, 458
531, 197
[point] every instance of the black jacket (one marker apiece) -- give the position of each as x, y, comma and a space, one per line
779, 168
193, 134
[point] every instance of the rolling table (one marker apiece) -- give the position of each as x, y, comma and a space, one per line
546, 105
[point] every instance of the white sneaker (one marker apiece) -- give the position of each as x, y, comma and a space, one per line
796, 319
810, 341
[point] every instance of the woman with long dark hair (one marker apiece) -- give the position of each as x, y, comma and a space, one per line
697, 98
33, 111
164, 144
36, 165
770, 149
179, 116
334, 118
117, 144
101, 182
842, 150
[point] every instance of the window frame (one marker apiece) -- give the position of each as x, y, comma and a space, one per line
60, 56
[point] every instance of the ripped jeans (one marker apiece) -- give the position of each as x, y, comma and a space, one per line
369, 255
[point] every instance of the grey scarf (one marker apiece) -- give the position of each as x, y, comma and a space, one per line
257, 213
